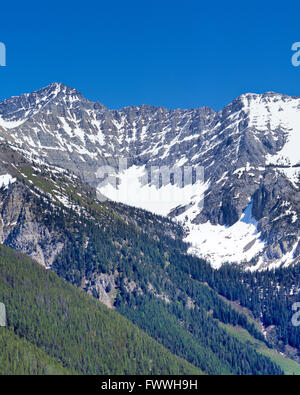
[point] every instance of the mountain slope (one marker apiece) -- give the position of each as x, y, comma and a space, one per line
247, 151
131, 260
19, 357
136, 262
74, 328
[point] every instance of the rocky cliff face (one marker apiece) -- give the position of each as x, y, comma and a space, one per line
23, 230
249, 152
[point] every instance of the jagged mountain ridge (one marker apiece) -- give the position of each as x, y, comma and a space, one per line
248, 151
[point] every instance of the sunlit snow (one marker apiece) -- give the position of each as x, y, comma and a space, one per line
6, 180
134, 190
220, 244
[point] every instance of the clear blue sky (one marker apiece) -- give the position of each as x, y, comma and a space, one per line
170, 53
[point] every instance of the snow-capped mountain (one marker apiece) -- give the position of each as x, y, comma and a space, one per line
245, 206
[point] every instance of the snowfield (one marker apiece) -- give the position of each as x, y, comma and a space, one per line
220, 244
6, 180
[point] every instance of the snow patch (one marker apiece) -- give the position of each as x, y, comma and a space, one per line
134, 189
6, 180
220, 244
11, 124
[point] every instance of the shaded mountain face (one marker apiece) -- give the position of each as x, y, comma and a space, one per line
245, 206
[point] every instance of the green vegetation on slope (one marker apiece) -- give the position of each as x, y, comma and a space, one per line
162, 299
289, 366
74, 328
269, 295
18, 356
147, 252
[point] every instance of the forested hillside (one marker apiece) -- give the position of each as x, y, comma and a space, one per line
150, 288
18, 356
269, 295
71, 328
136, 263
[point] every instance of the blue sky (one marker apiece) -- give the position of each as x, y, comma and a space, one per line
167, 53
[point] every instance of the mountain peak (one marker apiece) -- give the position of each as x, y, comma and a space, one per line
266, 96
236, 146
57, 88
